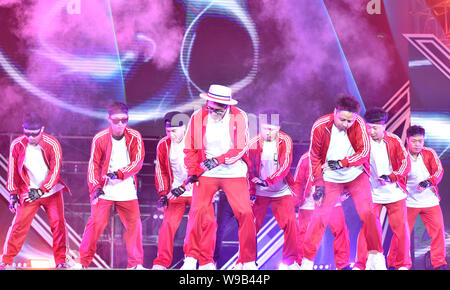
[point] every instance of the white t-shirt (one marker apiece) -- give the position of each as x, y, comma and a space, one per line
117, 189
269, 164
179, 170
37, 169
380, 165
340, 147
217, 140
419, 173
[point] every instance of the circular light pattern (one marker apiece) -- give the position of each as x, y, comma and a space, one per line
108, 68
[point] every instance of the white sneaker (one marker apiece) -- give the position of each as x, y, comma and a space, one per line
77, 266
402, 268
137, 267
158, 267
376, 262
4, 266
306, 264
369, 262
237, 266
282, 266
379, 263
209, 266
250, 266
293, 266
189, 264
356, 268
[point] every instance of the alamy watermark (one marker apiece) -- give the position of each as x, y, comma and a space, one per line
73, 7
373, 7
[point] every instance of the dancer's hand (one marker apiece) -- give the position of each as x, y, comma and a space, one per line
209, 164
318, 195
335, 164
383, 179
98, 192
13, 202
35, 193
112, 175
176, 192
260, 182
424, 185
163, 202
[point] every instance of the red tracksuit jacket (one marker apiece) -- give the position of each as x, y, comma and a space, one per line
101, 155
320, 141
284, 146
195, 147
434, 166
18, 179
398, 158
303, 178
163, 170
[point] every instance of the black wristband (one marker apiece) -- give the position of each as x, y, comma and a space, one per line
334, 164
178, 191
425, 184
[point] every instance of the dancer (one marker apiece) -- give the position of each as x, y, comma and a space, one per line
117, 155
175, 196
339, 156
341, 244
423, 196
389, 166
270, 158
216, 143
34, 168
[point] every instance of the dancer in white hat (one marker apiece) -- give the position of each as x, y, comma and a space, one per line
216, 157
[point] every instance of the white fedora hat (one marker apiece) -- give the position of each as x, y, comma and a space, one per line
219, 94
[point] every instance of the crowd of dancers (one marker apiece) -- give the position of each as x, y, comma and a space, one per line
349, 156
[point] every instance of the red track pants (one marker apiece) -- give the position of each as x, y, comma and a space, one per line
284, 213
131, 218
396, 213
341, 244
434, 223
172, 218
201, 228
359, 190
54, 207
